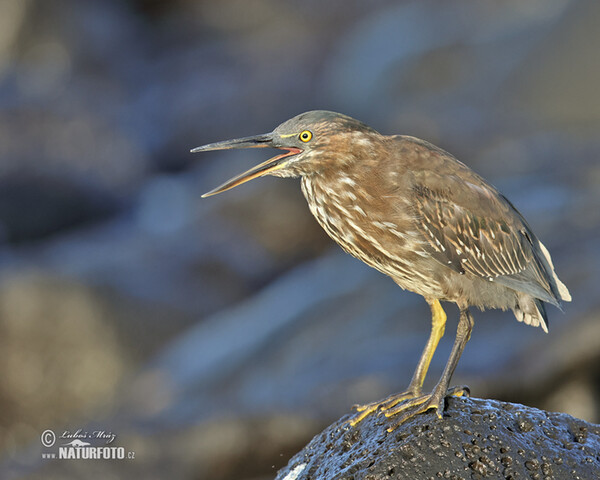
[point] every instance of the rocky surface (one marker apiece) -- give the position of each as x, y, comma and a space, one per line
476, 439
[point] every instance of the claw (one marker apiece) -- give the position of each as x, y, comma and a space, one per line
459, 391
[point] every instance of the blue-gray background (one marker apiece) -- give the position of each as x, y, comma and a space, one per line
214, 337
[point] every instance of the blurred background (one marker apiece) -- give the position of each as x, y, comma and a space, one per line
215, 337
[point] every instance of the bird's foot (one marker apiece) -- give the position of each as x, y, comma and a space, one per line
423, 403
381, 405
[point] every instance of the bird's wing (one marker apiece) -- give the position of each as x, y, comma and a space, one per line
472, 228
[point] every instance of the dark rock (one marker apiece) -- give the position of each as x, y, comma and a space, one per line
476, 439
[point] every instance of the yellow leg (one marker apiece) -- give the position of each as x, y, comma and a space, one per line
438, 326
435, 400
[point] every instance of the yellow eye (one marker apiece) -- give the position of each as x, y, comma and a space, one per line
305, 136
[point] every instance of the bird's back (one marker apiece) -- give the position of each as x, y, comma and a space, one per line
437, 228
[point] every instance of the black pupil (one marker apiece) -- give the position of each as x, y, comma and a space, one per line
305, 135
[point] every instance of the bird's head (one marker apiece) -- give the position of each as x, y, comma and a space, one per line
310, 141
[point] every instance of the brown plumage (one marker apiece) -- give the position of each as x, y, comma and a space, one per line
417, 214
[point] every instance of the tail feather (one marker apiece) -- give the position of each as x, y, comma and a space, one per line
531, 311
562, 293
529, 307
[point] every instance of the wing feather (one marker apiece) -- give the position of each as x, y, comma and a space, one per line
472, 228
484, 236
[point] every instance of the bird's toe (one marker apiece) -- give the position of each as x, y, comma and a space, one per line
423, 403
415, 407
384, 405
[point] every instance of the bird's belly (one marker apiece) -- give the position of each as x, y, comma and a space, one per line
380, 244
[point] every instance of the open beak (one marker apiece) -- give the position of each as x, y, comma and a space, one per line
258, 141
